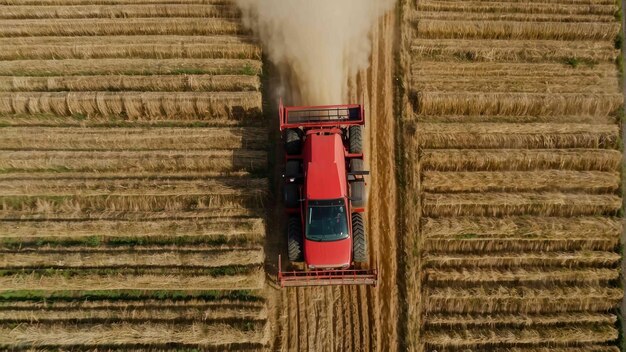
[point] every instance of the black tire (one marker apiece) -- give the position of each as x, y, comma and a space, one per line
291, 195
356, 139
293, 141
294, 239
358, 193
292, 168
359, 239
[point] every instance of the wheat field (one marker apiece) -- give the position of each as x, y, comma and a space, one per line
132, 161
513, 174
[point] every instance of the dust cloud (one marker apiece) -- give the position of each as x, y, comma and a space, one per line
317, 45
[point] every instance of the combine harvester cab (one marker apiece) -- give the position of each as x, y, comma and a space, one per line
325, 196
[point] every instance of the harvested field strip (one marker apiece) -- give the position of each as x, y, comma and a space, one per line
516, 259
521, 181
507, 204
69, 164
169, 335
73, 67
140, 258
169, 83
155, 314
538, 227
428, 28
121, 202
121, 232
509, 70
562, 119
461, 277
520, 160
514, 50
519, 7
464, 320
470, 244
511, 16
553, 85
521, 336
521, 299
122, 12
132, 187
516, 104
97, 26
119, 2
135, 105
179, 50
227, 210
524, 136
167, 140
251, 280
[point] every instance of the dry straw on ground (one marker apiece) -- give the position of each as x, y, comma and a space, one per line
467, 276
112, 11
489, 320
521, 160
531, 7
518, 259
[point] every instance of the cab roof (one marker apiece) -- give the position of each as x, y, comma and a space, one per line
325, 167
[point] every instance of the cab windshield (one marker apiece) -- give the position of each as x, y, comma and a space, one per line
326, 220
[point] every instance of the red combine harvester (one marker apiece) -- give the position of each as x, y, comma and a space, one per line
325, 196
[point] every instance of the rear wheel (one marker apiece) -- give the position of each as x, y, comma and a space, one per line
358, 194
359, 239
292, 195
293, 141
294, 239
292, 168
356, 139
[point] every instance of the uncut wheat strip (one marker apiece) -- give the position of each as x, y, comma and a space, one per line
158, 314
116, 2
508, 70
431, 28
587, 85
52, 304
216, 140
135, 50
86, 186
128, 40
209, 258
520, 160
552, 18
524, 136
203, 83
518, 7
521, 181
47, 212
538, 227
561, 119
516, 104
122, 12
476, 337
516, 259
200, 334
225, 228
496, 320
253, 280
82, 205
514, 50
132, 26
134, 105
507, 204
512, 2
521, 299
74, 67
463, 276
138, 164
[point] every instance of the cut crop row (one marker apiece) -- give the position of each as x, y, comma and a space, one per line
133, 26
117, 11
531, 7
514, 136
166, 140
525, 181
135, 105
518, 259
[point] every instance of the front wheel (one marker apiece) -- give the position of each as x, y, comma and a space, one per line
359, 239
